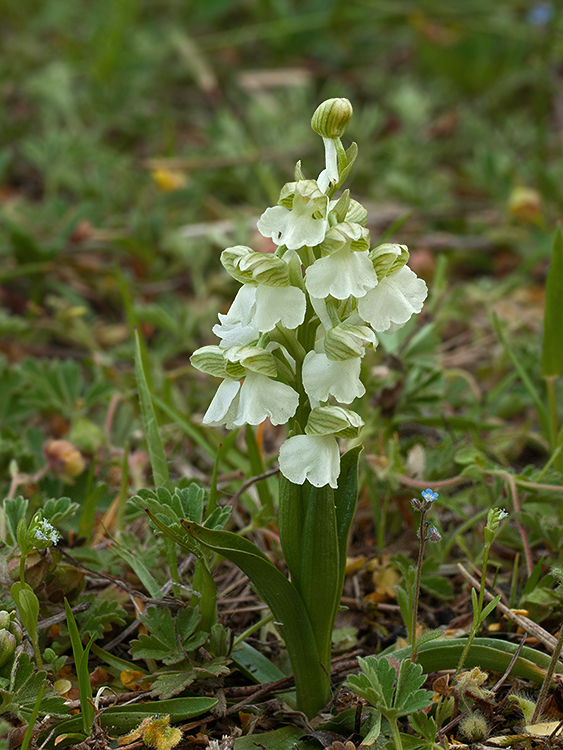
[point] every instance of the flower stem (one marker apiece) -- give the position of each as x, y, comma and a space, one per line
477, 613
395, 732
416, 592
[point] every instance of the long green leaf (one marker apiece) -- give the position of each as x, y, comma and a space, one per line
524, 377
293, 500
552, 351
486, 653
140, 569
81, 664
319, 575
157, 456
311, 682
125, 718
345, 499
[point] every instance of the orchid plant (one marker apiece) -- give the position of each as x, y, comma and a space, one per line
290, 350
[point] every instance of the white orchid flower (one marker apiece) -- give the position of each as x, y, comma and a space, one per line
341, 275
300, 220
324, 377
257, 398
235, 328
279, 304
346, 268
393, 301
258, 309
312, 458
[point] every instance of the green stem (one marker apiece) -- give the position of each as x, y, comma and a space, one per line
22, 569
33, 718
416, 592
395, 732
252, 629
172, 558
477, 613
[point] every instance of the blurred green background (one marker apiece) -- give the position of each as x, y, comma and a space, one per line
138, 139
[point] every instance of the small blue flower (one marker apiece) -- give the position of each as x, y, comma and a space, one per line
429, 496
540, 14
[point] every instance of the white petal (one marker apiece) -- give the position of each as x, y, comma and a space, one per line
280, 304
330, 173
262, 397
340, 275
294, 227
324, 377
235, 328
394, 300
319, 306
314, 458
223, 409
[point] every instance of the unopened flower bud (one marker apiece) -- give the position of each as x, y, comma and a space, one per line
7, 646
63, 458
494, 518
5, 619
388, 258
332, 117
431, 533
16, 630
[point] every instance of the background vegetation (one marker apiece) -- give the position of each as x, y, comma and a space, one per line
138, 139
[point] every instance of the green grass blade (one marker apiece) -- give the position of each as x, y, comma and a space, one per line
157, 456
524, 377
81, 665
552, 351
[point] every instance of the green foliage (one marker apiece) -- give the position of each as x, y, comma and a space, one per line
169, 638
174, 640
390, 686
19, 693
99, 617
184, 503
57, 511
80, 654
552, 351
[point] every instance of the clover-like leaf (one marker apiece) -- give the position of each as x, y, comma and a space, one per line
56, 511
169, 639
395, 692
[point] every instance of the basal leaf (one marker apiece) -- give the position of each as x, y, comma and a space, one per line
286, 605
